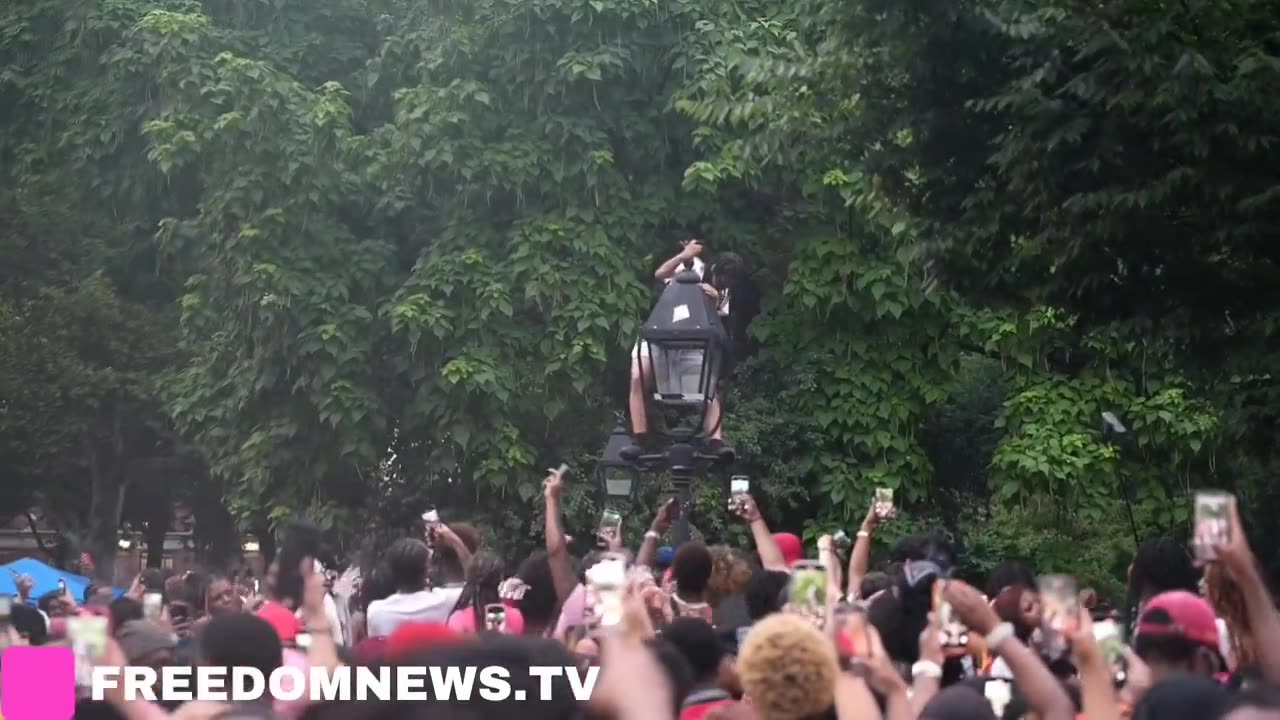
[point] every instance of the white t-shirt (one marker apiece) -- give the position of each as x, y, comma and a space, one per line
432, 605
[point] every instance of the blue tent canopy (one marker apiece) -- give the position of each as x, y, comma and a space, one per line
45, 579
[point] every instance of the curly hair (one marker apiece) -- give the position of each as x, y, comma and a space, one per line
1223, 593
788, 668
730, 573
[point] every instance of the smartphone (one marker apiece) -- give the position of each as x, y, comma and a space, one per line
852, 643
1110, 639
179, 612
88, 638
255, 587
807, 590
883, 503
606, 580
62, 586
301, 540
952, 632
739, 485
562, 469
842, 541
1212, 523
6, 610
610, 526
495, 617
152, 604
1060, 598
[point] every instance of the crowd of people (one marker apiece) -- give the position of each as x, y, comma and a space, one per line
697, 632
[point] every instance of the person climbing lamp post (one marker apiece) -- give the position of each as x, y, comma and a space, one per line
682, 352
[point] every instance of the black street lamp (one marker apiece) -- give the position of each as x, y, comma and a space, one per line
619, 477
682, 350
1115, 433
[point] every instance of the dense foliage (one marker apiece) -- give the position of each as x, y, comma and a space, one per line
405, 247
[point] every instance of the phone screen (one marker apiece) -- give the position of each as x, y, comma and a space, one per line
1110, 639
1060, 598
6, 608
152, 604
739, 485
807, 590
1212, 523
606, 580
884, 503
495, 616
610, 526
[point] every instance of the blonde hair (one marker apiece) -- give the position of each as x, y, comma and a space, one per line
730, 573
787, 668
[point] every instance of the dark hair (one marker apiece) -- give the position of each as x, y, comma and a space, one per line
691, 568
407, 561
153, 580
122, 610
699, 644
539, 604
46, 601
240, 639
376, 585
1011, 573
727, 270
933, 546
874, 582
446, 559
764, 593
1160, 565
484, 573
28, 623
677, 669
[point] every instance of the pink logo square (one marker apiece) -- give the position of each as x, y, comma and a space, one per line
37, 683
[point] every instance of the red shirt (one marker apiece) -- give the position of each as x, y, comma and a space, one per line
697, 712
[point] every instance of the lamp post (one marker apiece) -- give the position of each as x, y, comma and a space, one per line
681, 353
1114, 433
619, 477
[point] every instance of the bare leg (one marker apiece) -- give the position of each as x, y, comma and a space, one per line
712, 423
639, 420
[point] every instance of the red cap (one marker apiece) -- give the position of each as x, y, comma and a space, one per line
411, 637
1190, 617
791, 547
282, 620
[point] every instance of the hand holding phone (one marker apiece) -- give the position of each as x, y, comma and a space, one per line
606, 581
1212, 523
807, 590
610, 528
152, 606
883, 503
739, 487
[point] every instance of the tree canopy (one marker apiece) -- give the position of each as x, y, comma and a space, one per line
357, 256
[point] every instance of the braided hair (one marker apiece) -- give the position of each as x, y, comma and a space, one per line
484, 575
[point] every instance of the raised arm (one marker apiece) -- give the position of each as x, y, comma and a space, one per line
770, 555
648, 551
668, 269
1264, 620
562, 575
860, 558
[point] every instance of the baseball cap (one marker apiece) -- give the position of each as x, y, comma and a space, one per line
791, 547
1179, 613
414, 636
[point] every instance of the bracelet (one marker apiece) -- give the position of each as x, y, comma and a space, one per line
998, 636
926, 668
863, 534
652, 535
